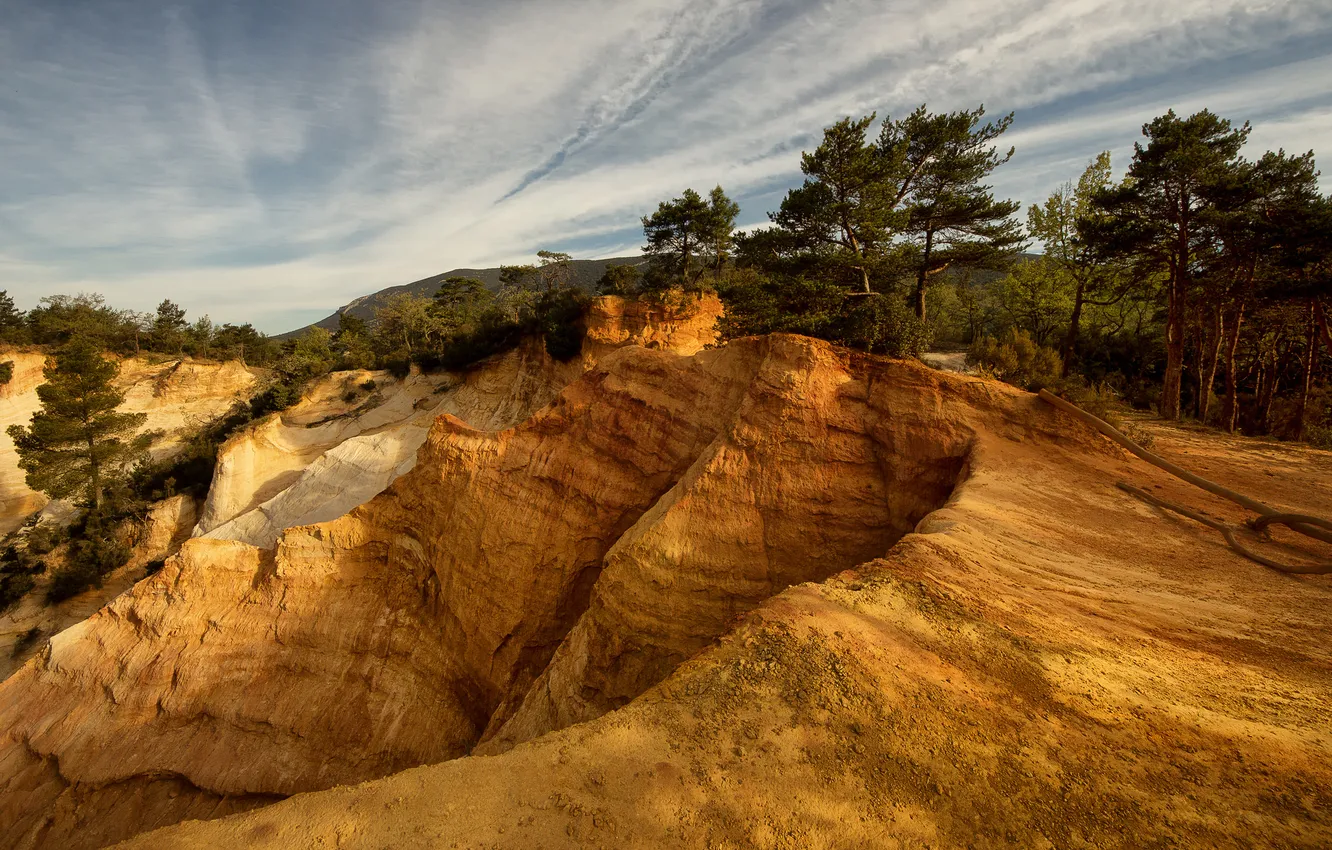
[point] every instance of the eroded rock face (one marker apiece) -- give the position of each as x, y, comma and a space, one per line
18, 401
343, 443
511, 583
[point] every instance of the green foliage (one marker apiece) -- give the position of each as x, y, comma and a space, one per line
399, 364
1164, 215
1016, 359
620, 280
60, 319
911, 204
882, 324
43, 539
952, 217
25, 641
759, 304
243, 343
1036, 297
14, 585
686, 236
559, 318
13, 329
6, 371
189, 470
78, 442
167, 333
95, 550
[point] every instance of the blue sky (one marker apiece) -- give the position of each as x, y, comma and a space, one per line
268, 161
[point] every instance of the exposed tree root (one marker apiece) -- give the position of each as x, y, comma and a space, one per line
1309, 526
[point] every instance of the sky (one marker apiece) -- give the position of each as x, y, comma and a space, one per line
270, 160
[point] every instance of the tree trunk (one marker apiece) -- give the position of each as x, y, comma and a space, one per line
1170, 385
1071, 338
95, 475
1176, 314
1321, 317
1268, 380
1310, 361
1230, 409
921, 274
1207, 369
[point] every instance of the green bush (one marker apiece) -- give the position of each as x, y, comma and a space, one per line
559, 318
398, 364
276, 397
877, 323
1016, 359
882, 324
26, 640
13, 587
90, 559
6, 371
44, 538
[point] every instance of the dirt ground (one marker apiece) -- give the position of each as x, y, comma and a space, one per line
1046, 663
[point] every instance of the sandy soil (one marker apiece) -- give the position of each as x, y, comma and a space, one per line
1045, 663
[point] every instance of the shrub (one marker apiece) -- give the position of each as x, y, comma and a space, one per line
1016, 359
1097, 399
559, 317
882, 324
90, 559
13, 587
25, 641
620, 280
877, 323
369, 385
44, 538
398, 364
277, 396
6, 371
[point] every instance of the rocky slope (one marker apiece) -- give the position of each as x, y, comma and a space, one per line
768, 595
1044, 663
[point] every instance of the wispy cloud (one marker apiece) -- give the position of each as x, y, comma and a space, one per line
270, 161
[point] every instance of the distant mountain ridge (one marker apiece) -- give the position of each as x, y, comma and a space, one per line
586, 273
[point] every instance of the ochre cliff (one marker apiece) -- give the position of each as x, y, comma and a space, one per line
355, 432
772, 594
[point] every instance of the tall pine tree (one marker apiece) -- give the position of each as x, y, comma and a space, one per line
78, 443
953, 217
1166, 211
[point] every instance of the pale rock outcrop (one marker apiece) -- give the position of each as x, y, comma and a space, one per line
177, 396
18, 401
338, 447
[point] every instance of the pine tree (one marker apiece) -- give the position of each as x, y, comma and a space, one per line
78, 443
676, 233
1176, 185
844, 207
719, 231
168, 328
11, 320
953, 218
